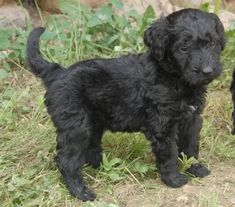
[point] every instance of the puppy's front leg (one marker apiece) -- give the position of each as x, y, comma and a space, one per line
189, 133
163, 141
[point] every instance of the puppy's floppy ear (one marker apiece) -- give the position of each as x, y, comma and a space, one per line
156, 38
220, 30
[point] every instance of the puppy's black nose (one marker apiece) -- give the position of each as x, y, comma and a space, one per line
207, 70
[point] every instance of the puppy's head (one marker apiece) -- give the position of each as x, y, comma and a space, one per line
189, 40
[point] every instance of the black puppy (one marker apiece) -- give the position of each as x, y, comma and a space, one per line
160, 93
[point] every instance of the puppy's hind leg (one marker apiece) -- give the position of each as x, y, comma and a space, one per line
72, 143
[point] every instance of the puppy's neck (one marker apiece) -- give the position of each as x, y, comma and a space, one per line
165, 66
169, 72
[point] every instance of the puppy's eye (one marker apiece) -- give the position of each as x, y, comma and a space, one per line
184, 49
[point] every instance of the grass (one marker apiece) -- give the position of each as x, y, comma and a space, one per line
27, 140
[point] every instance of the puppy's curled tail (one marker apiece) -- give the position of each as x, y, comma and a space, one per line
40, 67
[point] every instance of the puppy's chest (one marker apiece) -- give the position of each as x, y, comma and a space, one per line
189, 102
174, 101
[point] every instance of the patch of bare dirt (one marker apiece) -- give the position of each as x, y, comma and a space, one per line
218, 189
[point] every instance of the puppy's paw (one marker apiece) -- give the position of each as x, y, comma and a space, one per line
175, 180
85, 194
198, 170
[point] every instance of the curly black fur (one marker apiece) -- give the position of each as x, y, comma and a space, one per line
160, 93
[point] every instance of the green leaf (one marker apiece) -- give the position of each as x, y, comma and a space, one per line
105, 13
3, 74
115, 161
8, 93
47, 35
142, 168
108, 41
18, 46
93, 21
122, 21
114, 176
3, 55
149, 13
117, 4
230, 33
6, 66
133, 13
88, 38
205, 7
105, 160
73, 8
102, 16
40, 100
148, 17
4, 39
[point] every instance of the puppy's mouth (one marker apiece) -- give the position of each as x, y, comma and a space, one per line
198, 78
205, 81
